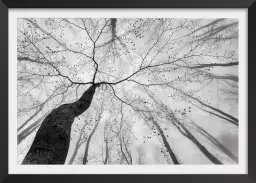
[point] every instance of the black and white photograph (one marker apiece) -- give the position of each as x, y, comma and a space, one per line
127, 91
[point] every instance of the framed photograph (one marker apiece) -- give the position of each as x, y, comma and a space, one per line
136, 91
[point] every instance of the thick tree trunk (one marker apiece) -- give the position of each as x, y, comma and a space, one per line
51, 143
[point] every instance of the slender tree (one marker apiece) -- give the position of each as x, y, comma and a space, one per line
85, 158
213, 140
79, 142
164, 139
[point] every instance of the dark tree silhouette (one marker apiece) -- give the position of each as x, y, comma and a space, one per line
51, 143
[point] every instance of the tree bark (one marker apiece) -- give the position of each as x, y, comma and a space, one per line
51, 143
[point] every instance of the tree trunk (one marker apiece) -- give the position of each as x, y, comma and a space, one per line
215, 142
78, 144
113, 28
161, 133
213, 65
166, 144
106, 158
189, 135
51, 143
122, 151
85, 159
31, 117
106, 142
26, 132
235, 120
216, 115
128, 152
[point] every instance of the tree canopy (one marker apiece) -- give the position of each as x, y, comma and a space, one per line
168, 88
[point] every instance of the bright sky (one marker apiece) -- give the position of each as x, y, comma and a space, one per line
125, 65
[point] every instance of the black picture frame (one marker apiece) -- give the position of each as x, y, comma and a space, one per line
6, 4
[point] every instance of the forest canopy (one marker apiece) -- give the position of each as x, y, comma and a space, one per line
168, 88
